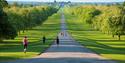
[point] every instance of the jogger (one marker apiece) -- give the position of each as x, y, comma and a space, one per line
25, 43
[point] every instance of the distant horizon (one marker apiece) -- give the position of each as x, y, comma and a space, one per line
68, 0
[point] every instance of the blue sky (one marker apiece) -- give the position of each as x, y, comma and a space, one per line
72, 0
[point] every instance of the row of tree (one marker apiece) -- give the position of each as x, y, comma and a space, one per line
107, 19
15, 19
5, 25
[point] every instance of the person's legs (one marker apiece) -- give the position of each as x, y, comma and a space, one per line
44, 41
57, 44
25, 47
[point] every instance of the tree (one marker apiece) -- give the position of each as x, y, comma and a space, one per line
117, 22
24, 18
107, 19
3, 3
7, 31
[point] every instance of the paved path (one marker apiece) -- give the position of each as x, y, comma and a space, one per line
68, 51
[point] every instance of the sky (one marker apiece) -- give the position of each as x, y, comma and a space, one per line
73, 0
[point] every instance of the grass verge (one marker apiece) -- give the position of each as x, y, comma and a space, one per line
13, 49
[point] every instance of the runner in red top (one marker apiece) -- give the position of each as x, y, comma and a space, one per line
25, 43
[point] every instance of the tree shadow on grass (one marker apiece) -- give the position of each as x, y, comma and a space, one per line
101, 48
111, 40
2, 58
17, 46
66, 47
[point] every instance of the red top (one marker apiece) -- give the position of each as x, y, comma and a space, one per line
25, 41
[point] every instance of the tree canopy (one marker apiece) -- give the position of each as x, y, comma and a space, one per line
14, 19
107, 19
6, 29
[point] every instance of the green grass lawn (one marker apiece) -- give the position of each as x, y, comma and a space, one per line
13, 49
97, 41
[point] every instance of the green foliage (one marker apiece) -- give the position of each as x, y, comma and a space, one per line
7, 31
101, 17
85, 14
26, 18
117, 23
3, 3
15, 19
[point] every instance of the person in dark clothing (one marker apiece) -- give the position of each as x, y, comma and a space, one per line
57, 40
44, 39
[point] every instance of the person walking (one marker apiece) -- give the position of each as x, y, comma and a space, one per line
44, 39
25, 43
62, 33
57, 40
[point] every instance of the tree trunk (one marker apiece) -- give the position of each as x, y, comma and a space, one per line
113, 36
1, 40
19, 33
119, 36
23, 31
